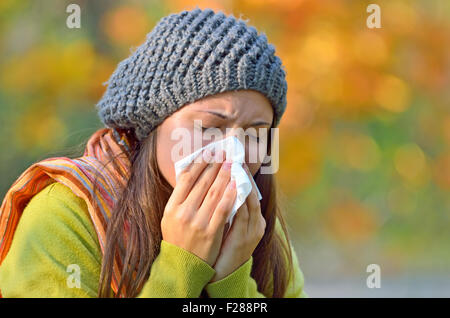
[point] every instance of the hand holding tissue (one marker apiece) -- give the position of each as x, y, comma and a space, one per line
236, 153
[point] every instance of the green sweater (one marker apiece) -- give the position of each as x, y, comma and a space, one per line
55, 231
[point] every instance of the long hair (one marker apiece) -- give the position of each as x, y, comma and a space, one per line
139, 209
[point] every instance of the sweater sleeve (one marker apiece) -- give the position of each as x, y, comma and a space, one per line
176, 273
239, 284
55, 246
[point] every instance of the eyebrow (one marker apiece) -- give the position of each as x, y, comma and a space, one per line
223, 116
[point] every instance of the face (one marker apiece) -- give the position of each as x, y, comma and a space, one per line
229, 112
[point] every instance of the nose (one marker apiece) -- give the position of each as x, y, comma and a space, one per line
237, 132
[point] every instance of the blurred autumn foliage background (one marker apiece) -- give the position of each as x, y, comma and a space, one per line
365, 156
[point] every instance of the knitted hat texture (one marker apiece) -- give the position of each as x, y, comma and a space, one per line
188, 56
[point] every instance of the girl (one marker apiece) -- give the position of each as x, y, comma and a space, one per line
116, 223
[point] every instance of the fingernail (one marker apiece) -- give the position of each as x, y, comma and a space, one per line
232, 184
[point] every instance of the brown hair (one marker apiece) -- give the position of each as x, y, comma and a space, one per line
140, 207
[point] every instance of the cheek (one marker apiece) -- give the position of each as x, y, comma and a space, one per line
171, 146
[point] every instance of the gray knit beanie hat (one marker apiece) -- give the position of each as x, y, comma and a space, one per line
188, 56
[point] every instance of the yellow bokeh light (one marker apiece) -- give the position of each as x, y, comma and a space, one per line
392, 94
40, 130
319, 51
411, 164
370, 48
357, 151
400, 16
126, 25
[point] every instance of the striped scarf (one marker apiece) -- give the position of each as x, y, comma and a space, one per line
79, 175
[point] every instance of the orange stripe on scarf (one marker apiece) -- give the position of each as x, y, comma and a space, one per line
79, 175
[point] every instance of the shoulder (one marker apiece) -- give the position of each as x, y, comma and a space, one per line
56, 217
54, 232
58, 192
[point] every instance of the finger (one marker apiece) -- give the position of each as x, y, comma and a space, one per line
241, 219
254, 211
202, 185
252, 199
224, 207
215, 192
187, 179
253, 205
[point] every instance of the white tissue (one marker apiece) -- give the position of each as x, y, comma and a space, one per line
236, 153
